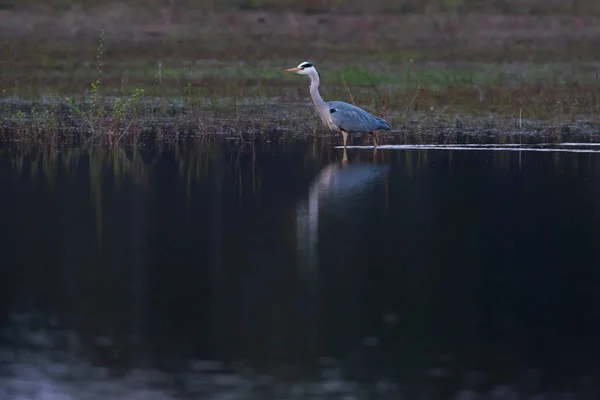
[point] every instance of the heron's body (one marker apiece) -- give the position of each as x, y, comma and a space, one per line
339, 115
353, 119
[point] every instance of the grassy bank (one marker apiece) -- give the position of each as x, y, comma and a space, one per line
112, 73
175, 7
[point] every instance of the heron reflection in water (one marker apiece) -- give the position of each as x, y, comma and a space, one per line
339, 115
335, 186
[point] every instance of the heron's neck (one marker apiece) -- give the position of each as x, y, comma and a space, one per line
314, 91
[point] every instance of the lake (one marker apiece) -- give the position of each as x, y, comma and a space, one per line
295, 271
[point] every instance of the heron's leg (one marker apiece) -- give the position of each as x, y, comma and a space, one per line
345, 136
374, 138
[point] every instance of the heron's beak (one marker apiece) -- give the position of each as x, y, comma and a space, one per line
296, 69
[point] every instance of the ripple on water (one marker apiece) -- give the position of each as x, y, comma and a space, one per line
543, 147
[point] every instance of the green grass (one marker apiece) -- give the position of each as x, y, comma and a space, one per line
225, 76
518, 7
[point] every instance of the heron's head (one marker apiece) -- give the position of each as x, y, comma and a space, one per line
304, 68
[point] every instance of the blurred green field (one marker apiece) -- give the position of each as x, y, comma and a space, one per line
515, 7
508, 60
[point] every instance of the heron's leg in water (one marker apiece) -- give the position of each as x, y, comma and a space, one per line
374, 155
345, 136
374, 138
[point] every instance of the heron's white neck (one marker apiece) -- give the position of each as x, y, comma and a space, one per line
314, 92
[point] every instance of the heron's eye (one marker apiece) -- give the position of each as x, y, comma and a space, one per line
306, 66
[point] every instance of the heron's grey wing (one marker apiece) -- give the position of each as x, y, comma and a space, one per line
354, 119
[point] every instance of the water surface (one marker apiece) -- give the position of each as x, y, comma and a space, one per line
214, 271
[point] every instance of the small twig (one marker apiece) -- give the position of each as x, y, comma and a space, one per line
373, 86
521, 118
125, 131
347, 88
413, 98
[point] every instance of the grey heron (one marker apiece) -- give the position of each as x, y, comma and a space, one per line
339, 115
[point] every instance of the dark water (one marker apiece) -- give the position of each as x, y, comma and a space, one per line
285, 272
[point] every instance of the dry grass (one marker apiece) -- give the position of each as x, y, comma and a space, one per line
177, 7
187, 71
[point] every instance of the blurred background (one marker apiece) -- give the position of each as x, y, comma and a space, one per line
534, 59
222, 246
